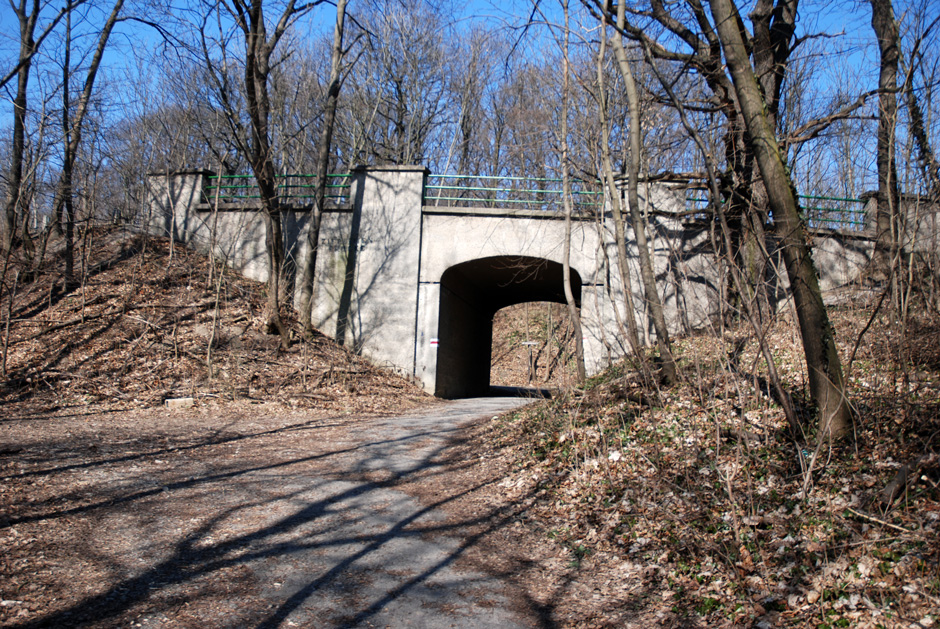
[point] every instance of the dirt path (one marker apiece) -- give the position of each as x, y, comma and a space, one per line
251, 519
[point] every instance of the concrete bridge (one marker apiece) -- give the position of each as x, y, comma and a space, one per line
414, 286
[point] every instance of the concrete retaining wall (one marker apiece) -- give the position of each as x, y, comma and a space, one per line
234, 234
367, 266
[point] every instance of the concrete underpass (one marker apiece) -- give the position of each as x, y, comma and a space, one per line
470, 294
414, 285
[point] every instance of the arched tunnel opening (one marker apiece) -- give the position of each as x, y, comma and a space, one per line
471, 293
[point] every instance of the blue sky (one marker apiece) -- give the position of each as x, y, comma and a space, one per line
849, 62
851, 17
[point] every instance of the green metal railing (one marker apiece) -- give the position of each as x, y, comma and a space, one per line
493, 191
821, 212
834, 212
696, 199
292, 189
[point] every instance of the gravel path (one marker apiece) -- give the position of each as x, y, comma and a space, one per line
369, 555
254, 521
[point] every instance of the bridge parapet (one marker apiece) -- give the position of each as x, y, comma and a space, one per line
544, 194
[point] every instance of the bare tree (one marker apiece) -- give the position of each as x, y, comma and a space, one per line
613, 193
27, 14
27, 54
822, 357
471, 82
398, 102
72, 124
751, 182
573, 313
687, 24
888, 195
653, 301
255, 142
926, 65
307, 276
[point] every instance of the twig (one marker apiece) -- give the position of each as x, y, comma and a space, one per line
858, 341
878, 521
908, 471
144, 321
75, 321
215, 317
865, 542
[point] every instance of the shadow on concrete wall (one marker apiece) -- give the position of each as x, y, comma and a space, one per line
378, 267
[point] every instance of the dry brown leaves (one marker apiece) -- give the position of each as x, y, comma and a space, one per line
87, 372
702, 490
533, 346
681, 507
138, 331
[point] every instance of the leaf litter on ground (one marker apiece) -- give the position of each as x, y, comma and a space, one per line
701, 488
688, 506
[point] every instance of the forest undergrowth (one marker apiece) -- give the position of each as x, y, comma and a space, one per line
144, 322
696, 495
701, 488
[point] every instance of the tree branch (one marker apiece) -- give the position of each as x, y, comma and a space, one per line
813, 128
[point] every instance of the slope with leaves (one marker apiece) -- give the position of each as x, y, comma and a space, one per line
699, 493
151, 322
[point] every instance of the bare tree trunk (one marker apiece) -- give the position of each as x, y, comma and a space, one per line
783, 398
633, 337
6, 332
822, 358
924, 151
655, 304
249, 16
308, 272
27, 24
72, 133
774, 23
918, 126
888, 196
65, 183
573, 313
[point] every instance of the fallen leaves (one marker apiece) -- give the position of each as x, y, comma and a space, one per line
137, 332
671, 484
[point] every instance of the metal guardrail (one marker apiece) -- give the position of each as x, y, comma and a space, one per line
493, 191
821, 212
291, 189
835, 213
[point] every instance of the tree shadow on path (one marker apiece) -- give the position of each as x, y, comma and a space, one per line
322, 538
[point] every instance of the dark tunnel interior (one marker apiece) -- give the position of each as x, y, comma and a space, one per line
471, 293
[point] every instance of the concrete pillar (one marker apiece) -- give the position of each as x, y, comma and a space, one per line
428, 342
596, 328
172, 201
379, 313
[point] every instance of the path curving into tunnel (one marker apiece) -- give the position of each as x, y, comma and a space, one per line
471, 293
